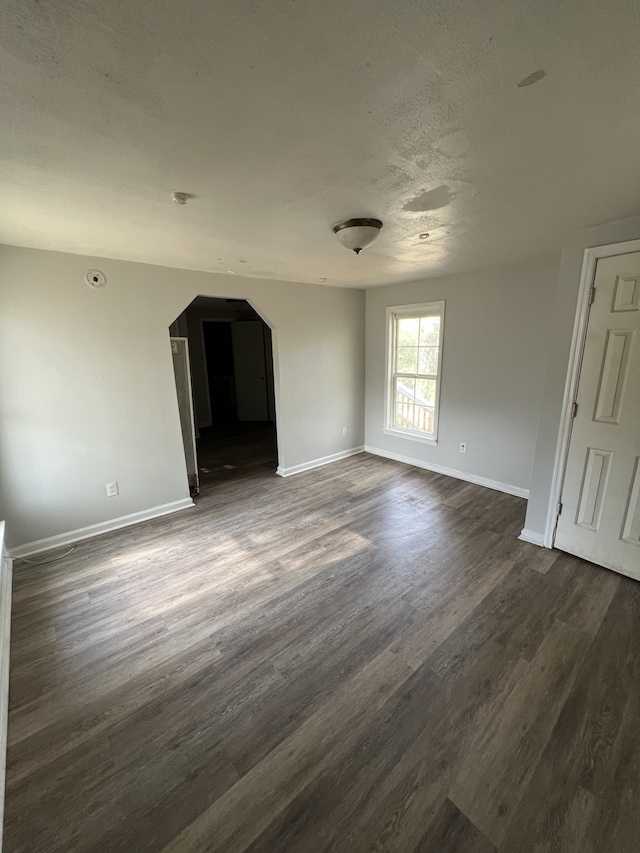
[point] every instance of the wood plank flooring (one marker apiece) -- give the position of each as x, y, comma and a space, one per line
360, 658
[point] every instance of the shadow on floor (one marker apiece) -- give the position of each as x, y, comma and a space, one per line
233, 449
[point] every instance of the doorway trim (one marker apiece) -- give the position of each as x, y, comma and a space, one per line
591, 257
275, 356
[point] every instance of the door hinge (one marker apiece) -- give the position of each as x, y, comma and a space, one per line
574, 409
558, 508
592, 295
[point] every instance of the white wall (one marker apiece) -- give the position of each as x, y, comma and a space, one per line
87, 392
494, 360
559, 345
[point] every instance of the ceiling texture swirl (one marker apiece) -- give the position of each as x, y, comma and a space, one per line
494, 127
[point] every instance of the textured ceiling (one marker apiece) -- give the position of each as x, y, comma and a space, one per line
282, 117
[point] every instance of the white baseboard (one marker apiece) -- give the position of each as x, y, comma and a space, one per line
450, 472
316, 463
62, 539
533, 537
6, 570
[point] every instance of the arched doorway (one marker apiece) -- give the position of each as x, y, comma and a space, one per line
232, 380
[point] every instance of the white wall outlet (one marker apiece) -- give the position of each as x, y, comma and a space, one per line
112, 489
463, 447
344, 430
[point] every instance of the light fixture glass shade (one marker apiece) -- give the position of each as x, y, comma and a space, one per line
357, 234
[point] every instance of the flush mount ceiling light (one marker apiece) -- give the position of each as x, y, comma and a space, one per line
357, 234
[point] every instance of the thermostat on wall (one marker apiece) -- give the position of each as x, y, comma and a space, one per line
95, 278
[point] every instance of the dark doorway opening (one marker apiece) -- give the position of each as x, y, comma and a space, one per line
220, 371
231, 355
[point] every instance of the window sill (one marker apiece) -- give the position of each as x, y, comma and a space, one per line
412, 436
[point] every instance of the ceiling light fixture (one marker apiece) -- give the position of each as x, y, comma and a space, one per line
424, 235
181, 198
357, 234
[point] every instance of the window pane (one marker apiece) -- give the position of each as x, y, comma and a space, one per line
426, 392
428, 360
405, 390
414, 356
429, 331
423, 418
404, 415
408, 331
407, 360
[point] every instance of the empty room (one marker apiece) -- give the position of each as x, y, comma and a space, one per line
319, 445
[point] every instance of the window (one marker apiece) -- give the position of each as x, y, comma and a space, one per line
414, 362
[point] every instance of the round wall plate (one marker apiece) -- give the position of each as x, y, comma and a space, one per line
95, 278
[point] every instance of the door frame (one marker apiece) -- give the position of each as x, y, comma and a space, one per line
590, 259
196, 477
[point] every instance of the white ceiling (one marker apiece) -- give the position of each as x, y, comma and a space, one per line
282, 117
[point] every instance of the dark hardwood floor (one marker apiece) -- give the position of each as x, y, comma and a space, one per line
230, 449
359, 658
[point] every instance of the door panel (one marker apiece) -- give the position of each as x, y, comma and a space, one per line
614, 375
594, 484
631, 529
600, 519
182, 373
247, 338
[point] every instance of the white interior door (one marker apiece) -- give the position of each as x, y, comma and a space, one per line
600, 517
182, 373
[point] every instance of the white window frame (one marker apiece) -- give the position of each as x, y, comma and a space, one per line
395, 312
